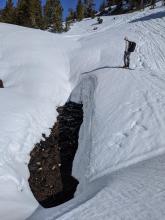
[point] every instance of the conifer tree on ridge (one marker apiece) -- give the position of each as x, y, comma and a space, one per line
80, 10
53, 15
36, 14
8, 13
23, 13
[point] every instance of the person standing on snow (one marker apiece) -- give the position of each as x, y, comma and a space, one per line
129, 48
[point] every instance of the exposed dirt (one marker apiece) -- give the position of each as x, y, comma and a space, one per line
51, 160
1, 84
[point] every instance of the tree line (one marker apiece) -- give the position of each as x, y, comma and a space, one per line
84, 9
31, 13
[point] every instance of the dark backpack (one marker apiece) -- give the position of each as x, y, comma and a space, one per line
131, 47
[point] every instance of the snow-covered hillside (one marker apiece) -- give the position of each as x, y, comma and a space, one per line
35, 70
120, 160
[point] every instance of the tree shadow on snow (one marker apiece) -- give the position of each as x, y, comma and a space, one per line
149, 17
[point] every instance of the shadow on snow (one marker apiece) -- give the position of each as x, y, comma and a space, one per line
149, 17
106, 67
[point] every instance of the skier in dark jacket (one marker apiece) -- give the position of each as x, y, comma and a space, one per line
129, 48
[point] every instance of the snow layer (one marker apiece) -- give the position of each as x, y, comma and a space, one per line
124, 119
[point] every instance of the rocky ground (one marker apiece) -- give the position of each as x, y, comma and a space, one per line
51, 160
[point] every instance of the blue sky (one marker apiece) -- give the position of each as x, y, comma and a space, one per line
66, 4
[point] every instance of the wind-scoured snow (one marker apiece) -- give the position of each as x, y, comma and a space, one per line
120, 160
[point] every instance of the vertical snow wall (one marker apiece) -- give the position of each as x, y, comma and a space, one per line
84, 93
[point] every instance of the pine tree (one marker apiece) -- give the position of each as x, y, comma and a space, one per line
8, 13
89, 8
0, 15
36, 14
57, 19
71, 16
24, 13
48, 13
80, 10
53, 15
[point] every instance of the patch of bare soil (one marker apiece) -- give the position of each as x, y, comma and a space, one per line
51, 160
1, 84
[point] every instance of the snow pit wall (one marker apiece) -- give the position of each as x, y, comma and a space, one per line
84, 93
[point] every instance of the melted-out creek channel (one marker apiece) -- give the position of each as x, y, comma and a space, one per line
51, 161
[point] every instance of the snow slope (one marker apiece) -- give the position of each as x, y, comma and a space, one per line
34, 68
120, 160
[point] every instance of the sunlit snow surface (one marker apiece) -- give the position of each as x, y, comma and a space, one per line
35, 70
124, 121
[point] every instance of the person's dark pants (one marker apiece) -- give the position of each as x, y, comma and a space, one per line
126, 59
